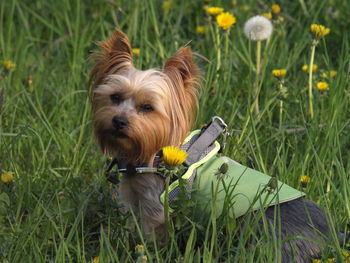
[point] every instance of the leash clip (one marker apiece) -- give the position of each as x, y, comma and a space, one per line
224, 140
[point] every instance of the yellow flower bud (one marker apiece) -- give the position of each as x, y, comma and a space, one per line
306, 68
305, 179
279, 73
275, 9
136, 51
8, 65
267, 15
213, 10
7, 177
319, 31
201, 30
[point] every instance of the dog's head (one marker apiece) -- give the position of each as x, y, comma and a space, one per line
135, 112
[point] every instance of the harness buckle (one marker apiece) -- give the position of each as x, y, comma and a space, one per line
220, 121
138, 170
226, 134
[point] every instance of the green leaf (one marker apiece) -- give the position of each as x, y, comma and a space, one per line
5, 198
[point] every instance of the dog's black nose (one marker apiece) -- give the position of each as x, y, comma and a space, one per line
120, 122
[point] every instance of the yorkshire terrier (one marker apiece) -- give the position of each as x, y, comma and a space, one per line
136, 113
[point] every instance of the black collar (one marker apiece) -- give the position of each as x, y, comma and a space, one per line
130, 169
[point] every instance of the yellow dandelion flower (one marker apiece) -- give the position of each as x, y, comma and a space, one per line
279, 73
174, 156
306, 68
225, 20
267, 15
275, 9
305, 179
7, 177
201, 30
8, 65
139, 249
333, 73
96, 260
316, 261
213, 10
136, 51
331, 260
166, 6
322, 86
319, 30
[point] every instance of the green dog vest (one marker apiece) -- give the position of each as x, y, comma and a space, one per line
238, 188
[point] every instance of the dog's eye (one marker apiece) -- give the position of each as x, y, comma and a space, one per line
146, 108
116, 98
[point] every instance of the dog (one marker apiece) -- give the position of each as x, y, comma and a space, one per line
136, 113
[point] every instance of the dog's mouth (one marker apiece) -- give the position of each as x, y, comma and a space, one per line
118, 134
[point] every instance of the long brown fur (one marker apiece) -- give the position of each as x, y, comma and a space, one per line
172, 93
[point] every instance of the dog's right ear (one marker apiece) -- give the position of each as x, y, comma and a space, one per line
115, 54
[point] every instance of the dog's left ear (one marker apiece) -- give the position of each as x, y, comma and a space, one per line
181, 68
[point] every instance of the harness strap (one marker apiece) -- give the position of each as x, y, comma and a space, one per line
208, 135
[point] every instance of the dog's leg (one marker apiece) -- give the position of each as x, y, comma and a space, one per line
141, 193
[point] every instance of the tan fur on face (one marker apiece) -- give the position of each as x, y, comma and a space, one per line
147, 132
171, 92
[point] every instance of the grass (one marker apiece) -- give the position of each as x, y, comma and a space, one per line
58, 208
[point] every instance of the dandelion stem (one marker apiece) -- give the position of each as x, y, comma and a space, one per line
256, 88
226, 43
258, 57
281, 104
166, 202
313, 48
281, 114
218, 48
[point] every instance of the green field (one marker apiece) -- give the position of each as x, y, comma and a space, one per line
58, 206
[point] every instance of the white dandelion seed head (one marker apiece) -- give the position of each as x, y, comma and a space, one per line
258, 28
